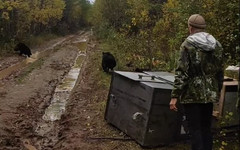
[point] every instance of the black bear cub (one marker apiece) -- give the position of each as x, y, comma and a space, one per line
24, 49
108, 61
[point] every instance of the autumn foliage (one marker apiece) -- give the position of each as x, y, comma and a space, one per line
153, 30
20, 19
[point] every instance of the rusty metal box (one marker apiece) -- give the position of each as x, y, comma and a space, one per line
138, 105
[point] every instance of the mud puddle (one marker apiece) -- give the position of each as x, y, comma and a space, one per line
61, 95
63, 90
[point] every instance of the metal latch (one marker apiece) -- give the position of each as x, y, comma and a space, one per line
138, 116
113, 99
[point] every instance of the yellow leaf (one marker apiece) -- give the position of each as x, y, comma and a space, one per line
9, 8
224, 143
5, 15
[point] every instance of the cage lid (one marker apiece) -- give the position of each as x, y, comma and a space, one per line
165, 76
142, 77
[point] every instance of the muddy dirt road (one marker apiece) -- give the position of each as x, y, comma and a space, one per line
27, 90
30, 109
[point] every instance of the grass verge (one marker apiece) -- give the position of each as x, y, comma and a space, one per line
26, 71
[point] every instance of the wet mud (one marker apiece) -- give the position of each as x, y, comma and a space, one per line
24, 119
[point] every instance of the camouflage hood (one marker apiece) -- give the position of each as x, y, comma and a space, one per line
203, 41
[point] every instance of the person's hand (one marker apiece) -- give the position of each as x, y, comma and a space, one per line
173, 103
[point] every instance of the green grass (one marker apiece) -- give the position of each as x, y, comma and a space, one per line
26, 71
103, 79
40, 39
79, 61
82, 46
118, 54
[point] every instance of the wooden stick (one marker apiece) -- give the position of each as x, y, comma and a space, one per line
110, 138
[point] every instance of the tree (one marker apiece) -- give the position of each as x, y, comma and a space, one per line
154, 29
18, 17
109, 12
76, 13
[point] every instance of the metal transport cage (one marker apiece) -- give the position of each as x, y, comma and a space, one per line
138, 104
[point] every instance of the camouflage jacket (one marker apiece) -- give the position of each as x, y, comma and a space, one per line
199, 74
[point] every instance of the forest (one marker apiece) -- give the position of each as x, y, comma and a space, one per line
27, 21
150, 32
142, 33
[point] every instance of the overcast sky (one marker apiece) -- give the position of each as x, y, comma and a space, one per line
92, 1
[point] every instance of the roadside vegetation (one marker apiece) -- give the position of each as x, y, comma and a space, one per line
148, 33
26, 71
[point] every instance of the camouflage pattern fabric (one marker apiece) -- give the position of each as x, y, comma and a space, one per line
199, 74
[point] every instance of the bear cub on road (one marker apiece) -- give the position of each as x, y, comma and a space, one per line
108, 61
24, 49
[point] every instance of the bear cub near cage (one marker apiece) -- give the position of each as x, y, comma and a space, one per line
108, 61
24, 49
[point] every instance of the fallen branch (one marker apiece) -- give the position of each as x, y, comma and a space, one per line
110, 138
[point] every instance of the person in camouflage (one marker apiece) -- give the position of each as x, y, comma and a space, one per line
198, 81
